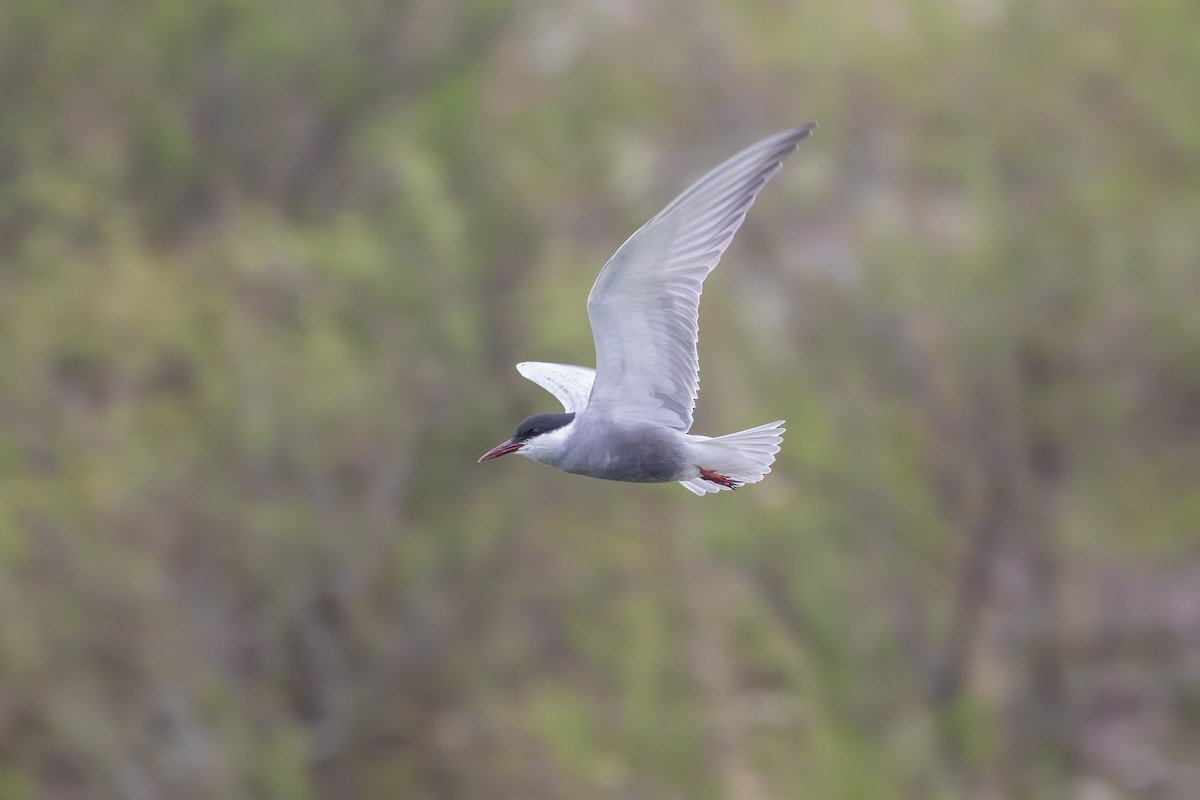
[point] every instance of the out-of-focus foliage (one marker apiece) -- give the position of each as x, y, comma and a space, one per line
266, 268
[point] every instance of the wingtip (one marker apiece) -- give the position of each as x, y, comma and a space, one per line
794, 136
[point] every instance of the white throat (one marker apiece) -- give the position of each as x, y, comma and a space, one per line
549, 448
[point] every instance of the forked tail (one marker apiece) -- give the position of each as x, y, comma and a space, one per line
740, 458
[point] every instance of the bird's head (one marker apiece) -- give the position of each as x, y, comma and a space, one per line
534, 437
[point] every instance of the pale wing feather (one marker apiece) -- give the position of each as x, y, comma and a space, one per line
570, 384
645, 304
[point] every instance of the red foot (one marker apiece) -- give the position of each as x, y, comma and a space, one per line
717, 478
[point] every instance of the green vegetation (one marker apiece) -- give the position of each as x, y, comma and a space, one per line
265, 269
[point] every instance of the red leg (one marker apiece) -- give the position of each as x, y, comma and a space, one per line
716, 477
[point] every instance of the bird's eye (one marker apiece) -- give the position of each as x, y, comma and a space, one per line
535, 432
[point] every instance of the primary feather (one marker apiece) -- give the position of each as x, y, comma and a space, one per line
644, 307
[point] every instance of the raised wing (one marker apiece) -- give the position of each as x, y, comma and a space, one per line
644, 307
570, 384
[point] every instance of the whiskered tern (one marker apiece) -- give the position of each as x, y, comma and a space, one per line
628, 419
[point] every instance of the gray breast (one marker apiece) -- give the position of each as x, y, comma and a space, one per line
625, 451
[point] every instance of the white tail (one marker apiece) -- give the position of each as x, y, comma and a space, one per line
745, 456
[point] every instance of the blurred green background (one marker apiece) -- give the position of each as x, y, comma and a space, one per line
265, 269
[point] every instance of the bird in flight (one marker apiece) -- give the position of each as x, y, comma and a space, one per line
629, 418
